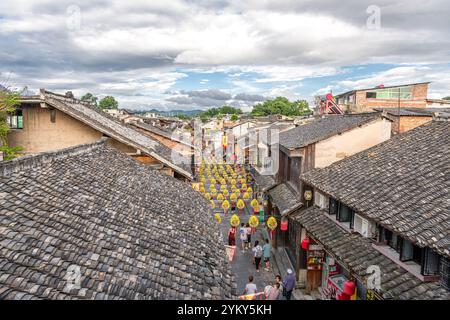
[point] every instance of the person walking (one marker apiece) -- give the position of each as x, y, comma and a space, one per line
274, 292
243, 236
257, 254
232, 236
288, 284
266, 250
249, 236
250, 287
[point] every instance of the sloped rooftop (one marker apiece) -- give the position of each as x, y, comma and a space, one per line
134, 233
402, 183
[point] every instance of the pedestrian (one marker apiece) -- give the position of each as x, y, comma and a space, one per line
243, 236
288, 284
232, 236
249, 236
250, 287
274, 292
267, 249
257, 254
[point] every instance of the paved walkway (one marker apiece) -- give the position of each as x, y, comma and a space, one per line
242, 264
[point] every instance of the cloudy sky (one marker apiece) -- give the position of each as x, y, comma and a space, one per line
185, 54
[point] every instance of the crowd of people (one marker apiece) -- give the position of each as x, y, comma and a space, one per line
279, 289
260, 255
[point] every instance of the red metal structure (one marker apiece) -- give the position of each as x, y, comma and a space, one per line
328, 106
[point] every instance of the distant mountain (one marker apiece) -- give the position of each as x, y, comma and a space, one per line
171, 113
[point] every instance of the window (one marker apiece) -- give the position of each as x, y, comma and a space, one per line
345, 214
320, 200
363, 226
444, 271
430, 265
333, 206
15, 120
390, 93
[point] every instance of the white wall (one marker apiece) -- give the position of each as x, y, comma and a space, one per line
350, 142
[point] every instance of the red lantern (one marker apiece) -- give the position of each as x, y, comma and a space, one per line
284, 225
349, 288
305, 243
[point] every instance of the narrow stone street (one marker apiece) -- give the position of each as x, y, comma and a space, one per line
242, 263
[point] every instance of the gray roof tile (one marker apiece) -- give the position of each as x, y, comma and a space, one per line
401, 183
133, 232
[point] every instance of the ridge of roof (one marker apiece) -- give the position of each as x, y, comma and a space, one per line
29, 161
358, 253
385, 182
324, 128
93, 116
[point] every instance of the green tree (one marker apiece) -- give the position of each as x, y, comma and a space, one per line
108, 102
90, 98
282, 106
182, 116
446, 98
234, 117
8, 102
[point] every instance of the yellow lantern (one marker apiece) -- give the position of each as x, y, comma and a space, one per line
240, 204
249, 190
243, 181
218, 218
233, 197
272, 223
207, 196
246, 196
254, 203
213, 204
253, 221
223, 182
225, 205
213, 193
225, 193
213, 181
234, 220
220, 197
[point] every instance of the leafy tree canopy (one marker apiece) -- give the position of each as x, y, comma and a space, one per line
218, 112
90, 97
234, 117
8, 102
446, 98
108, 102
282, 106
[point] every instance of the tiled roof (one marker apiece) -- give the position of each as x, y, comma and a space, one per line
171, 135
135, 233
414, 112
285, 199
357, 254
264, 182
323, 128
114, 128
402, 183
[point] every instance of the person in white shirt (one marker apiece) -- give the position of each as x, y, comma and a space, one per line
250, 287
243, 236
257, 254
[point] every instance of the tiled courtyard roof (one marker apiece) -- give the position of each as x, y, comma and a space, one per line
358, 254
114, 128
134, 233
285, 199
323, 128
402, 183
264, 182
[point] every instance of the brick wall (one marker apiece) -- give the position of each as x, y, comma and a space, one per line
419, 100
407, 123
